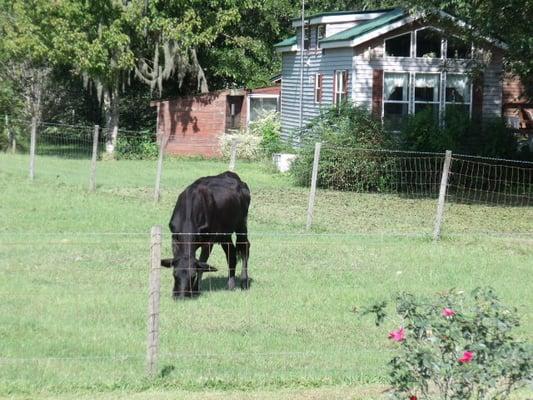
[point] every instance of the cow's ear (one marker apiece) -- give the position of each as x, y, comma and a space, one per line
205, 267
167, 262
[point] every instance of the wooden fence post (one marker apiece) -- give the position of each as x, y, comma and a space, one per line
152, 347
442, 195
32, 146
312, 193
233, 155
162, 144
92, 177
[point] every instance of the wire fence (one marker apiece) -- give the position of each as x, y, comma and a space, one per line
72, 309
63, 153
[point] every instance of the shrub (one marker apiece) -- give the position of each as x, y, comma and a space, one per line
268, 127
247, 145
456, 347
341, 130
136, 146
458, 133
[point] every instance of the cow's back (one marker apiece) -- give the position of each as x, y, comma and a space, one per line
212, 204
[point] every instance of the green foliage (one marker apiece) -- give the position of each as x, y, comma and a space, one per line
458, 133
137, 146
268, 128
341, 130
248, 145
458, 347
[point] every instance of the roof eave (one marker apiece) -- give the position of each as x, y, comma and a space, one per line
285, 49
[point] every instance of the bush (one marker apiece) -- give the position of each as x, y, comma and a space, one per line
268, 128
341, 130
247, 145
136, 146
456, 347
459, 133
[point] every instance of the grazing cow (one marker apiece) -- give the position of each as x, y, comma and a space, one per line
209, 211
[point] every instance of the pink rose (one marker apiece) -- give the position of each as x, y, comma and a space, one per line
447, 312
397, 335
467, 357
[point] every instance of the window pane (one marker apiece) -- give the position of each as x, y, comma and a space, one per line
260, 106
457, 48
399, 46
396, 86
457, 89
431, 109
394, 114
427, 87
428, 43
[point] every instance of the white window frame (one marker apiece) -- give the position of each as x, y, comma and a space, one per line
342, 93
259, 95
442, 45
439, 87
471, 92
410, 33
318, 87
409, 97
442, 103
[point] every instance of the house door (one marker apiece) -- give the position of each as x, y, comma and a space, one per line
233, 112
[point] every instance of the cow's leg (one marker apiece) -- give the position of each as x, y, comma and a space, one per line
231, 256
204, 255
243, 250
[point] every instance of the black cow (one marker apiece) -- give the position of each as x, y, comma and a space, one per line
209, 211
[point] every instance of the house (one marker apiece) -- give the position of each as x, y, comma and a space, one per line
390, 61
193, 124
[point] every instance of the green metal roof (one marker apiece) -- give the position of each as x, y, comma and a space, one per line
366, 27
326, 14
287, 42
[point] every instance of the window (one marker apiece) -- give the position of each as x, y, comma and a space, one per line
318, 88
428, 43
320, 34
427, 93
395, 99
458, 89
307, 37
399, 46
340, 85
260, 105
457, 48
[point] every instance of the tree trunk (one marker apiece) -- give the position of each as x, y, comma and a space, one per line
111, 114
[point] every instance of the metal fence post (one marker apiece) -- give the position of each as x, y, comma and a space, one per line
162, 145
312, 193
442, 195
152, 347
233, 155
92, 177
32, 146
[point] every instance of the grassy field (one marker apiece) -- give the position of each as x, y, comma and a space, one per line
73, 284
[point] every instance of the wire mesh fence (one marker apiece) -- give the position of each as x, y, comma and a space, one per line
73, 307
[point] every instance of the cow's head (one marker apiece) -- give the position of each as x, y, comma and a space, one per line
187, 275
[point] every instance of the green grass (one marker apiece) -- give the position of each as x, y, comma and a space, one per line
74, 271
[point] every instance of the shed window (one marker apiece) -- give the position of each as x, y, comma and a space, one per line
395, 99
260, 105
340, 86
399, 46
457, 48
427, 93
307, 37
428, 43
458, 89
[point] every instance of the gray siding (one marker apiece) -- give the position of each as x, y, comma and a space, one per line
324, 62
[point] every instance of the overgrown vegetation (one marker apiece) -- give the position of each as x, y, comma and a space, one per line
460, 133
341, 130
